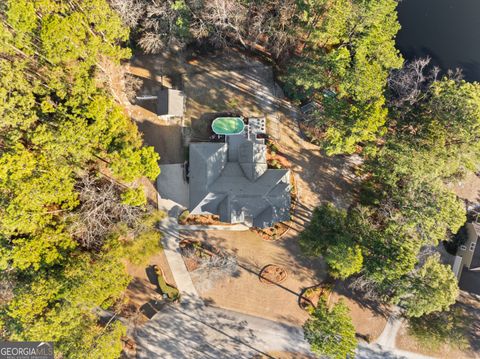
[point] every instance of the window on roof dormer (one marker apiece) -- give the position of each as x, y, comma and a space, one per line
472, 246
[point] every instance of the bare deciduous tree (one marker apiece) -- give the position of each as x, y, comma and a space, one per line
213, 268
223, 263
159, 27
132, 84
367, 287
130, 11
271, 24
99, 211
151, 42
409, 83
227, 19
279, 25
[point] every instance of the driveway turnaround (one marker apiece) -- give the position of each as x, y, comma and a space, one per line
193, 330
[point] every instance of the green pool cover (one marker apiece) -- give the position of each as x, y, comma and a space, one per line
228, 125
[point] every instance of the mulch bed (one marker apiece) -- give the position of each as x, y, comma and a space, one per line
272, 233
275, 158
203, 219
191, 263
272, 274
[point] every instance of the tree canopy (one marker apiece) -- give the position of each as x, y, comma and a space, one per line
64, 142
330, 331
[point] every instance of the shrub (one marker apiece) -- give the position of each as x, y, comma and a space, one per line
183, 217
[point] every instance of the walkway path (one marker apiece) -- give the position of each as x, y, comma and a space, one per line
384, 346
170, 239
213, 227
388, 337
195, 330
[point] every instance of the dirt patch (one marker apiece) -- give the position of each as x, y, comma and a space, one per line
244, 292
468, 188
368, 318
407, 342
272, 274
226, 82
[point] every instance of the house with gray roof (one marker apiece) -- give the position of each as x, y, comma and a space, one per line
231, 179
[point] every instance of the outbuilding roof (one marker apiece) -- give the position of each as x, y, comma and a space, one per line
170, 102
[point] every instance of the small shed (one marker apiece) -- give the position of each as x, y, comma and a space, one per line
170, 103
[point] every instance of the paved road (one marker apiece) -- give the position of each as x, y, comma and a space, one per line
374, 351
192, 330
385, 345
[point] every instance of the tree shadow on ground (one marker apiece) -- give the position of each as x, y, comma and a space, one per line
471, 319
357, 296
192, 330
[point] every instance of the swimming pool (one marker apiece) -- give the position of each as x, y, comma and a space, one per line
228, 125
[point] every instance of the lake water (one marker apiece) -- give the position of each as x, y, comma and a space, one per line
446, 30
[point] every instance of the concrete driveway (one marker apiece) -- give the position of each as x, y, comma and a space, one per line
172, 185
192, 330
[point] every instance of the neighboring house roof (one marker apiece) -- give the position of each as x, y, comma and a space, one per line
470, 281
232, 180
170, 102
475, 263
470, 259
470, 251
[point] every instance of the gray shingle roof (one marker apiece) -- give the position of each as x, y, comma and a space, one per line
170, 102
470, 281
237, 185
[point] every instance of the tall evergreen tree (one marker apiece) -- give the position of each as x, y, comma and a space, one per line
59, 127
